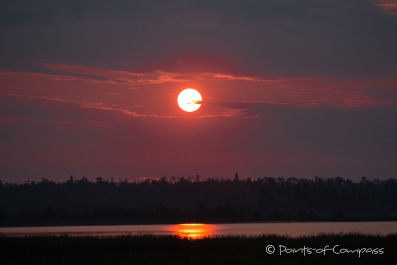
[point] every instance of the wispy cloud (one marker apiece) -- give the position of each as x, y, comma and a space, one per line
215, 76
94, 74
17, 120
343, 100
302, 92
389, 6
225, 112
119, 76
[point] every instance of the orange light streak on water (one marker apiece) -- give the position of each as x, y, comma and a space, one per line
194, 230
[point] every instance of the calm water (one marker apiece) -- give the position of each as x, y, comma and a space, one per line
201, 230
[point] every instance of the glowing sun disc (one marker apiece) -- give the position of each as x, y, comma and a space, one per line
189, 100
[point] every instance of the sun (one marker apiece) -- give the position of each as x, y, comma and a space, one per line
189, 100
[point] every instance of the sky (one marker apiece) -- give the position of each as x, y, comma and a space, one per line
290, 89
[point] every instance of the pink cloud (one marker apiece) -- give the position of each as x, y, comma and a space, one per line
17, 120
389, 6
97, 88
225, 112
119, 76
156, 77
339, 100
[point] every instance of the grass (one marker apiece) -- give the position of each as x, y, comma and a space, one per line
150, 249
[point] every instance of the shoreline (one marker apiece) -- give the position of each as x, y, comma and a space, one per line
51, 223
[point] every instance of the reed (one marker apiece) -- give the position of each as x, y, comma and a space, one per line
151, 249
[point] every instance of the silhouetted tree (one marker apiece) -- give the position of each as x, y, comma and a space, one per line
236, 178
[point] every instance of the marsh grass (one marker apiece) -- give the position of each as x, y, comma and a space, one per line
151, 249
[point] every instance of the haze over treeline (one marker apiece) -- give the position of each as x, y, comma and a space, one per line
280, 198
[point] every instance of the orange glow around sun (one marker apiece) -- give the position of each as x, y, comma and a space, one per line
189, 100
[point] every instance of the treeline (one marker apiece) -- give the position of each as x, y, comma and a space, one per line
180, 199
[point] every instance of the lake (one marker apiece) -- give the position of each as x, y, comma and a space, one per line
197, 230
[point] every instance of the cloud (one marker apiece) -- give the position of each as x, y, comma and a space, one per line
18, 120
342, 100
94, 74
238, 89
388, 81
118, 76
389, 6
223, 112
270, 37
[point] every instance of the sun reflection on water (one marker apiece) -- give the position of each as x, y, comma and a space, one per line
194, 230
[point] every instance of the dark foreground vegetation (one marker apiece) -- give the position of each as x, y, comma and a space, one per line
176, 200
217, 250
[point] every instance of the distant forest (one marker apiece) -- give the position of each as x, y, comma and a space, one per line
170, 200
